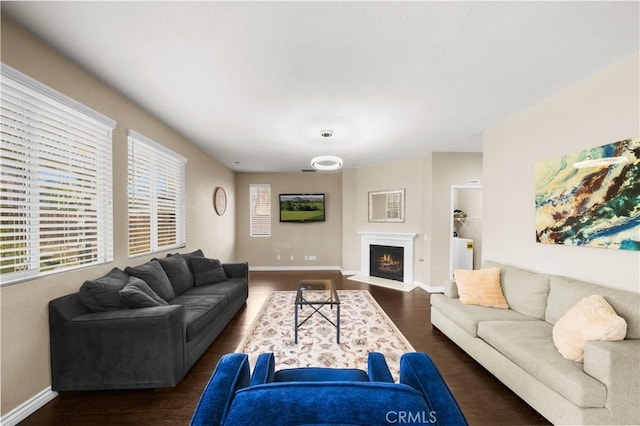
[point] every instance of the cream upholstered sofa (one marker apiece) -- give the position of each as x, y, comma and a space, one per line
516, 346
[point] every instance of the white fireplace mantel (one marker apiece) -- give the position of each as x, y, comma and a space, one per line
394, 239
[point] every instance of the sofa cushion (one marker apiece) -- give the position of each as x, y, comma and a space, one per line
566, 292
590, 319
101, 294
137, 294
326, 403
178, 272
468, 316
155, 277
525, 291
233, 288
529, 345
200, 311
207, 271
480, 287
320, 374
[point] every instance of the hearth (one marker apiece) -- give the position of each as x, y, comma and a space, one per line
386, 262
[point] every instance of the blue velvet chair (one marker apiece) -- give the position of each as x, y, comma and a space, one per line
321, 396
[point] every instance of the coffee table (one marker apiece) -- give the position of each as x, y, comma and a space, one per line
315, 294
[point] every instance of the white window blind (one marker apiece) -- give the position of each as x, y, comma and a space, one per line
55, 181
156, 186
260, 205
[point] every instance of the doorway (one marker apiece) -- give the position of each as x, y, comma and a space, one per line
465, 226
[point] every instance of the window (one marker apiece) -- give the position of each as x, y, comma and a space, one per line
156, 196
260, 204
55, 181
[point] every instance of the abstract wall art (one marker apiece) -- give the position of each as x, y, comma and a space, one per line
590, 198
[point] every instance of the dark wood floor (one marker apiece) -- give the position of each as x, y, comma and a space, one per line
483, 399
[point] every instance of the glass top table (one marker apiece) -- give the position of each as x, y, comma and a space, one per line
315, 294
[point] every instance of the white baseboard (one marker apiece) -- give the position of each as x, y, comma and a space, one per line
354, 275
430, 288
382, 282
294, 268
28, 407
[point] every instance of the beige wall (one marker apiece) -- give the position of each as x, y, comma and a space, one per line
25, 334
604, 108
427, 182
448, 169
410, 175
320, 239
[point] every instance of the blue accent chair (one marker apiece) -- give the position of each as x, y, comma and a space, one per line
322, 396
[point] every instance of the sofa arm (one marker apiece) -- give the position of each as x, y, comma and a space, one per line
451, 289
129, 348
418, 371
377, 368
617, 366
236, 270
264, 370
231, 374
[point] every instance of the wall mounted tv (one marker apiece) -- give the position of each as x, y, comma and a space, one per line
302, 208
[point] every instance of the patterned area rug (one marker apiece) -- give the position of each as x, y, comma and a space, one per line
364, 328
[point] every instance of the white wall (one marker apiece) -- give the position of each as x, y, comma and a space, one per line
604, 108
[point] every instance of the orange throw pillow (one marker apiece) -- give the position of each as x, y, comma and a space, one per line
480, 287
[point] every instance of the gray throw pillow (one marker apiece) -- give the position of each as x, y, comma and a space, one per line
189, 256
179, 274
155, 277
137, 294
207, 271
101, 294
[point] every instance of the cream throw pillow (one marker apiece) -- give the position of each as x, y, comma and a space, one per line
480, 287
592, 318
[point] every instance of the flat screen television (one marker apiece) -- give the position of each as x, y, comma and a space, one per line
302, 208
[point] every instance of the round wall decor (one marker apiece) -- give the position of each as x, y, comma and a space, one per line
220, 200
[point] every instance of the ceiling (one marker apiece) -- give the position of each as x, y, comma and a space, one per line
254, 83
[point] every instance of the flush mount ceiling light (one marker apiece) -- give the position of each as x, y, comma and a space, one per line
326, 162
600, 162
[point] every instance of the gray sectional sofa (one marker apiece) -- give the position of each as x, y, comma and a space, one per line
516, 346
143, 327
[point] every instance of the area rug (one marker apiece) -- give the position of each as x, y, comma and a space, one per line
364, 328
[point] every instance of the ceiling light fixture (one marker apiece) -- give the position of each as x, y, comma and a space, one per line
600, 162
326, 162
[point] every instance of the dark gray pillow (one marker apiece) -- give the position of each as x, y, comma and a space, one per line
207, 271
195, 253
188, 256
155, 277
179, 274
101, 295
137, 294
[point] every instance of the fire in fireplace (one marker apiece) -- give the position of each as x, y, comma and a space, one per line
386, 262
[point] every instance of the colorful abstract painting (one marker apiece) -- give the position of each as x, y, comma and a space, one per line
591, 198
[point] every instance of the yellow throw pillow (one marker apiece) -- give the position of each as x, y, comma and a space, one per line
592, 318
480, 287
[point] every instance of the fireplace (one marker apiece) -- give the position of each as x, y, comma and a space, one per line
386, 262
399, 240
